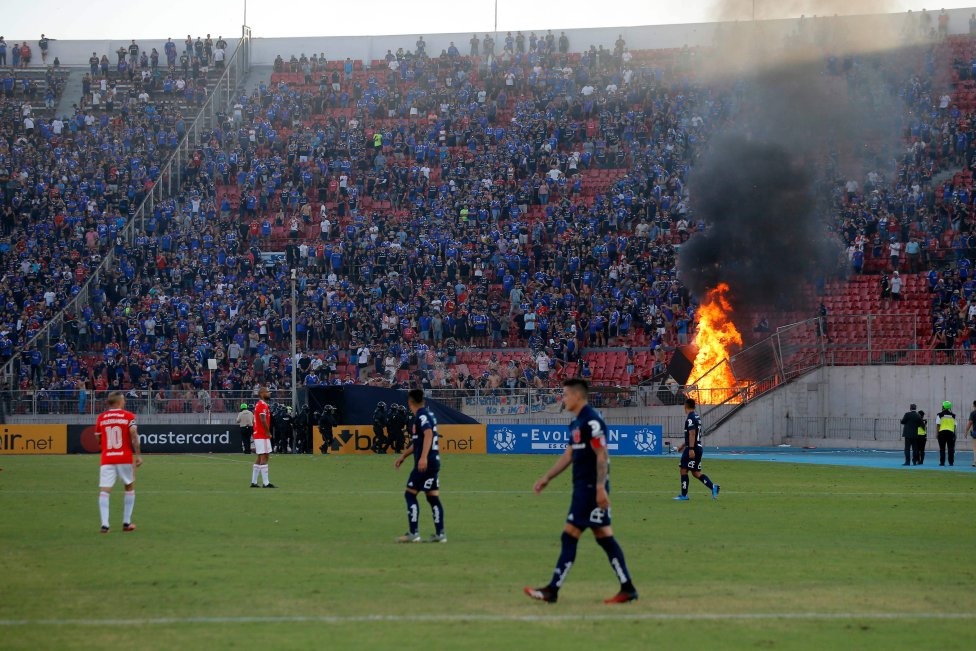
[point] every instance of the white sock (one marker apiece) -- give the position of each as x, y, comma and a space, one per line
264, 474
130, 501
254, 473
103, 507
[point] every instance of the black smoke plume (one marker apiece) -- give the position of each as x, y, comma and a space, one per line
765, 239
797, 126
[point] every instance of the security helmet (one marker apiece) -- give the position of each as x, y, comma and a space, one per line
243, 406
946, 405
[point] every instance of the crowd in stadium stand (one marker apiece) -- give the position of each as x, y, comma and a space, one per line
532, 200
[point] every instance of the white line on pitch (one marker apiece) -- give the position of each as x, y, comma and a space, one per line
487, 618
743, 493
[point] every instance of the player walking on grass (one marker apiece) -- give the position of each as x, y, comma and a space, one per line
116, 430
262, 439
590, 506
426, 465
691, 454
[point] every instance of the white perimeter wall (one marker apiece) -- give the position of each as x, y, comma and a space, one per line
850, 392
264, 50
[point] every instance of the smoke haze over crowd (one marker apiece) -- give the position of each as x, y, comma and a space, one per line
797, 121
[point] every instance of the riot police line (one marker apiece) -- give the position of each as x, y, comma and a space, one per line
291, 431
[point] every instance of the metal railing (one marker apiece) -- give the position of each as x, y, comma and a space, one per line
791, 352
67, 402
796, 349
235, 70
843, 428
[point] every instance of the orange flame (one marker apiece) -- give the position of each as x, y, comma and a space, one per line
714, 338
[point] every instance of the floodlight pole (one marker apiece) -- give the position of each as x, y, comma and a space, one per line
495, 36
294, 361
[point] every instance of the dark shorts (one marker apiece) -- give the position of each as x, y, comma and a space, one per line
425, 481
583, 510
689, 463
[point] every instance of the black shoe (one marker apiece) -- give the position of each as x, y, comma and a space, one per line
545, 594
270, 486
254, 486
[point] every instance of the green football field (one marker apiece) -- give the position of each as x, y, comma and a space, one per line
790, 557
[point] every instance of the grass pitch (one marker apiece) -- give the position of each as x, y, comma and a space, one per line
790, 557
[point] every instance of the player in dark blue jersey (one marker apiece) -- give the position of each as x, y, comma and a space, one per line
590, 507
426, 465
691, 454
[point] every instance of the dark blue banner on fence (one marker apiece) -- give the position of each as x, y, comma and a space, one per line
625, 440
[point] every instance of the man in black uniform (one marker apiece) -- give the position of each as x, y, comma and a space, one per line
691, 454
921, 437
379, 425
590, 507
426, 466
302, 425
327, 421
395, 425
971, 430
281, 431
910, 422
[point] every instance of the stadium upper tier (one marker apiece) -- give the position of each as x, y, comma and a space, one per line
433, 208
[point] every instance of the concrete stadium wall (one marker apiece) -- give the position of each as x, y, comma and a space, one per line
264, 50
857, 392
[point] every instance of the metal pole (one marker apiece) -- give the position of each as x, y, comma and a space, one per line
294, 364
210, 401
494, 36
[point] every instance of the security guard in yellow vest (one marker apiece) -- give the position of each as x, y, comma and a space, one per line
918, 444
947, 433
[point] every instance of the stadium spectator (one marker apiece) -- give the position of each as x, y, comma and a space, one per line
492, 184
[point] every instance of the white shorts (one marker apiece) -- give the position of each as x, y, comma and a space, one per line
109, 473
262, 446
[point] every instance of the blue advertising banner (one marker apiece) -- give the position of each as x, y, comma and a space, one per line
622, 440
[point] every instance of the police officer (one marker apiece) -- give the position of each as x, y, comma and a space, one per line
921, 438
281, 426
947, 433
246, 421
970, 429
395, 426
910, 422
301, 426
327, 421
380, 444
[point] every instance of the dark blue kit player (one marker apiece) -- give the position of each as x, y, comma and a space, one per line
426, 465
691, 454
590, 508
